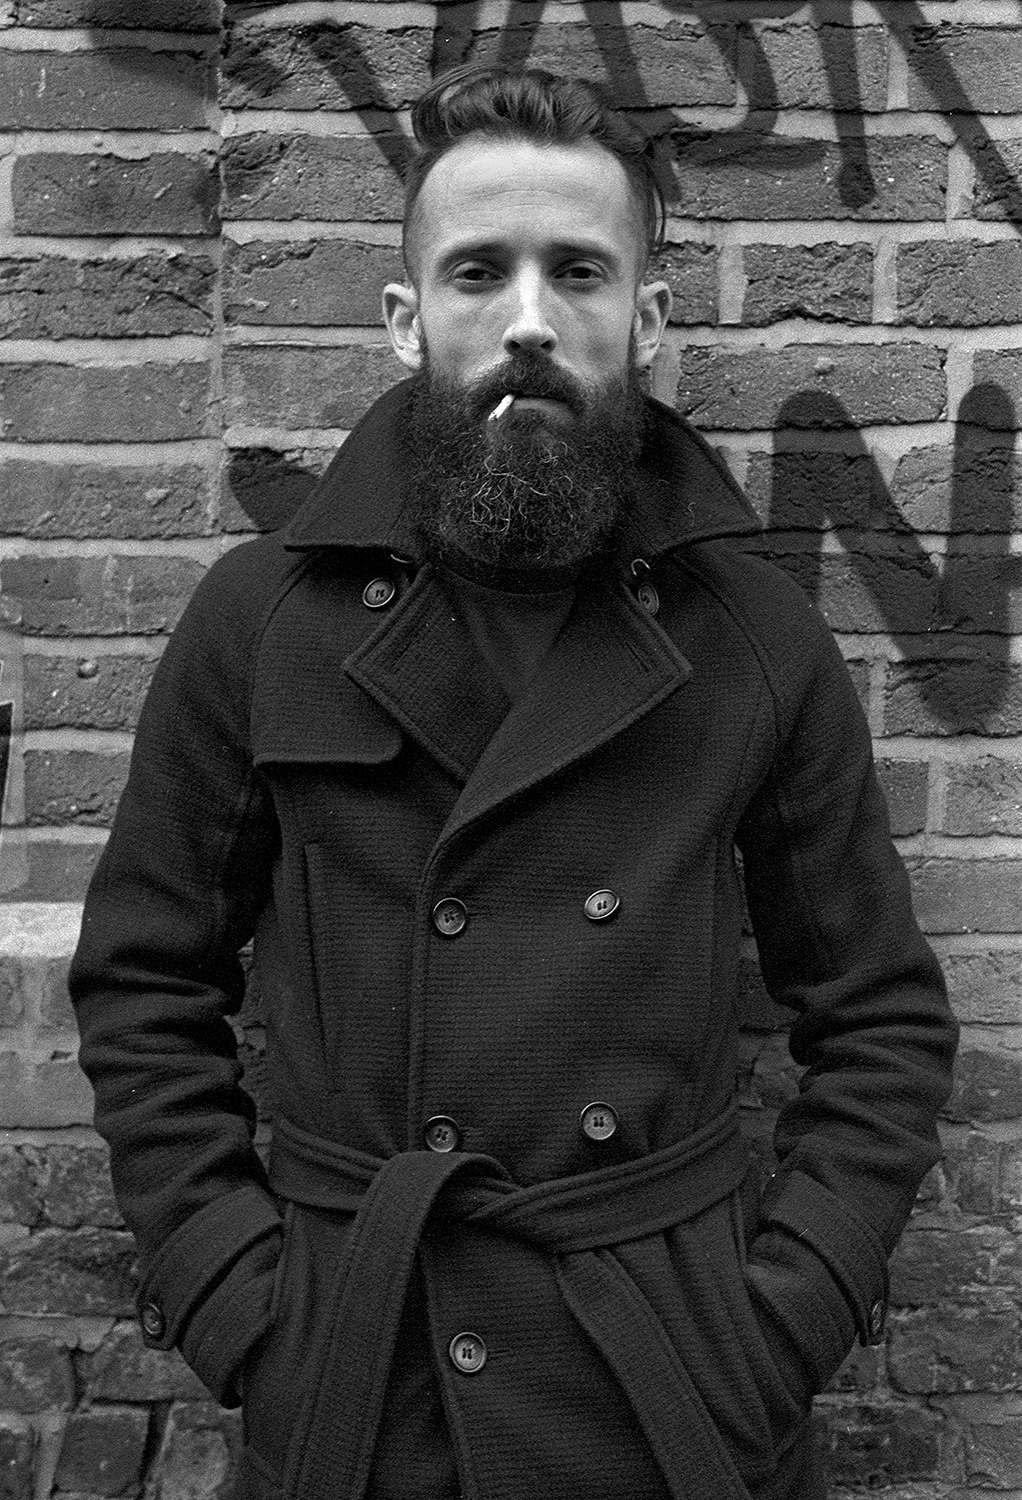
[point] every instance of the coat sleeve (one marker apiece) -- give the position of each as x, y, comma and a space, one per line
830, 908
184, 874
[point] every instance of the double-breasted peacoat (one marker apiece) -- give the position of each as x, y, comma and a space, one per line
498, 948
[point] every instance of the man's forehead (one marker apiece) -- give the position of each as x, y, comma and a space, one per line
486, 190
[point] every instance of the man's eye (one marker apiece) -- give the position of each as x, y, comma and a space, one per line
581, 274
474, 275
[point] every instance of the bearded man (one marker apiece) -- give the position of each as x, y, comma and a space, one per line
469, 749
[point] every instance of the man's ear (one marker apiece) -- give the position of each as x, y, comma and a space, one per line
401, 315
652, 309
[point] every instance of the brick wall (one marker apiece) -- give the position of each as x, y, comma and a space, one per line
196, 216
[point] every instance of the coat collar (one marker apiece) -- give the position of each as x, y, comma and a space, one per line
684, 492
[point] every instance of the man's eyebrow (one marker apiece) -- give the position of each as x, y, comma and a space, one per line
560, 250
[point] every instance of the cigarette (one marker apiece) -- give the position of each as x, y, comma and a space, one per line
500, 408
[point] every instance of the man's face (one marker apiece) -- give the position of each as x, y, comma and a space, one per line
520, 248
527, 264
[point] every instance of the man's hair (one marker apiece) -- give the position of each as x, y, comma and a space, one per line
527, 104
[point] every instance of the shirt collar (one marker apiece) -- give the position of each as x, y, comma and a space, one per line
684, 492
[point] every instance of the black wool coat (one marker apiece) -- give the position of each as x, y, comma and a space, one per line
498, 949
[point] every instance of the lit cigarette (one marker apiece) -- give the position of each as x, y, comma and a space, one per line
501, 407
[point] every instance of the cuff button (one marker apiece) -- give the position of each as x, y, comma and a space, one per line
154, 1324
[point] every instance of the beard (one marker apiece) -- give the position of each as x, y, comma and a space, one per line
529, 491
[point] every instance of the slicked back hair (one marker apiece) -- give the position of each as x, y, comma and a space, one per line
526, 104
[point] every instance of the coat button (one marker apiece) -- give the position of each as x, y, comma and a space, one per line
450, 916
877, 1319
154, 1324
601, 905
441, 1133
599, 1121
378, 593
648, 598
467, 1353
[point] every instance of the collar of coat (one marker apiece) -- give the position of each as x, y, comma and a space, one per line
684, 492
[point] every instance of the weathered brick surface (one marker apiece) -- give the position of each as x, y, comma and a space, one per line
17, 1447
72, 1186
77, 500
100, 692
818, 385
19, 1197
814, 490
974, 695
263, 487
272, 176
170, 192
130, 403
46, 1090
52, 297
103, 1450
871, 1442
57, 871
1000, 370
309, 66
986, 986
974, 486
281, 386
121, 89
198, 1456
904, 784
815, 67
691, 273
96, 596
967, 284
993, 1453
859, 590
996, 194
827, 282
984, 62
81, 1272
984, 796
73, 786
124, 1369
34, 987
969, 1351
151, 15
316, 282
35, 1375
748, 176
967, 895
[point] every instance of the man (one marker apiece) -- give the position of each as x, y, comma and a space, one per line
469, 748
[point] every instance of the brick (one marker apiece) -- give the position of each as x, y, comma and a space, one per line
81, 1273
63, 596
871, 1444
987, 1085
33, 987
818, 385
967, 895
904, 784
979, 592
73, 1186
20, 1202
43, 403
263, 487
114, 90
52, 297
831, 283
101, 692
55, 500
972, 1172
35, 1375
993, 1453
169, 192
983, 797
744, 175
960, 1265
1010, 1185
976, 486
878, 591
44, 1092
1001, 371
998, 165
271, 176
680, 63
17, 1459
103, 1451
124, 1369
978, 695
967, 1350
73, 786
986, 987
325, 67
965, 68
148, 15
199, 1453
961, 284
12, 992
690, 271
315, 282
283, 386
861, 1370
812, 490
59, 871
818, 67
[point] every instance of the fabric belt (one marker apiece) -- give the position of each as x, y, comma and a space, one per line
575, 1219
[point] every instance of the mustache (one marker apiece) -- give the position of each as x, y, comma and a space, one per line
528, 376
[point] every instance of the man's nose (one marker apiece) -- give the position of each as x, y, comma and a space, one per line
529, 326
